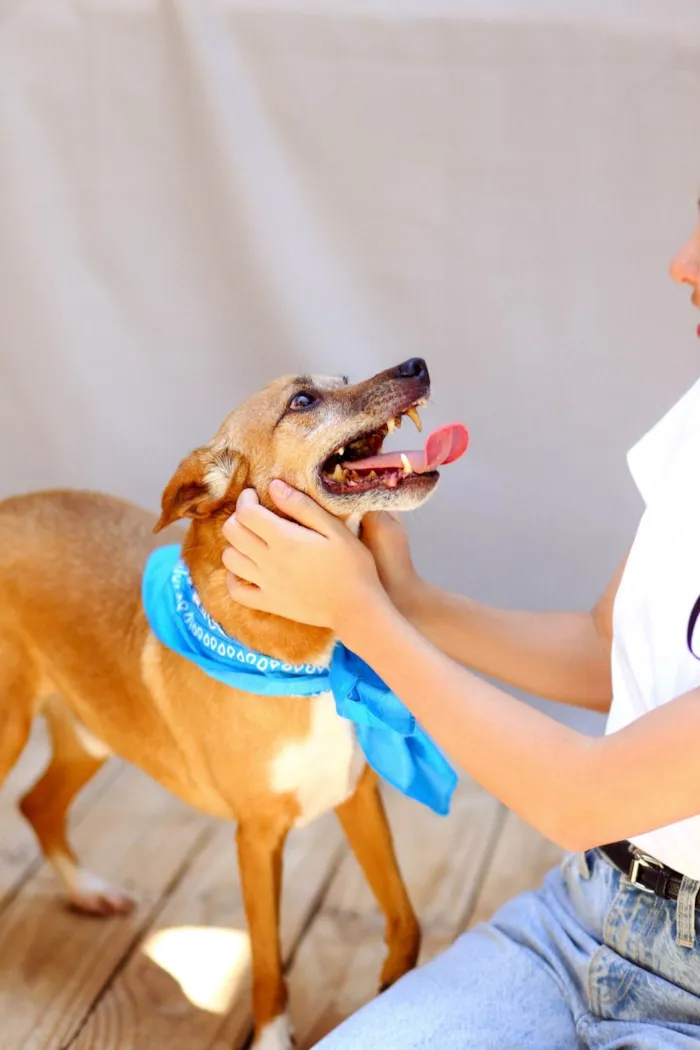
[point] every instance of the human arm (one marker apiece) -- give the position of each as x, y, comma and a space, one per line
561, 656
577, 790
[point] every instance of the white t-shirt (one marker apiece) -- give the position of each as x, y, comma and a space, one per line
651, 661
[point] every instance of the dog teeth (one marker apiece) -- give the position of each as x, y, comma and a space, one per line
415, 418
407, 468
341, 451
391, 425
339, 474
372, 475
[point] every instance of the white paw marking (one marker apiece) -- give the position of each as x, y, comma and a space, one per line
90, 893
277, 1035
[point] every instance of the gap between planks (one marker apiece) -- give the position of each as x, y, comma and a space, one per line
53, 963
60, 973
187, 983
177, 972
20, 856
337, 965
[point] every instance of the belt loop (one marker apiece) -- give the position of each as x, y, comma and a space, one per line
685, 912
584, 864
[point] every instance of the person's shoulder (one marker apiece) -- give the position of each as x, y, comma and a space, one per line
651, 458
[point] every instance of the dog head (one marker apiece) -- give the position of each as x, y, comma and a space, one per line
308, 431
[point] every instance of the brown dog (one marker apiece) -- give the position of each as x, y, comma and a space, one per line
75, 645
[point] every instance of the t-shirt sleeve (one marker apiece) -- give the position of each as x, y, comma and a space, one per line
651, 459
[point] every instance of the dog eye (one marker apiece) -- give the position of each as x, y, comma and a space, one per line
302, 401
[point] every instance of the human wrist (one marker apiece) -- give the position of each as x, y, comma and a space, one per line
358, 621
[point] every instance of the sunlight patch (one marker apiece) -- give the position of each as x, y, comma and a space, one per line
209, 963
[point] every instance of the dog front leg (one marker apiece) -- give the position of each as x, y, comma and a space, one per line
260, 847
364, 822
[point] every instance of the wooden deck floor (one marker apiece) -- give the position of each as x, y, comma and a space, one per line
175, 974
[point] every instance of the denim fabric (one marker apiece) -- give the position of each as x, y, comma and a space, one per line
588, 961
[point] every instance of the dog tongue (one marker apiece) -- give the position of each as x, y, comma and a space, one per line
444, 445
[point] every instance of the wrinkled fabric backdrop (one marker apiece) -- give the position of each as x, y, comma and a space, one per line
197, 196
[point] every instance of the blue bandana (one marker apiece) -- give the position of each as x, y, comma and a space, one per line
394, 745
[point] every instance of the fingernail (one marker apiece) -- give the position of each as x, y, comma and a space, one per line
280, 488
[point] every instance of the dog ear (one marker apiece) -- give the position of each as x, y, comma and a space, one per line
208, 481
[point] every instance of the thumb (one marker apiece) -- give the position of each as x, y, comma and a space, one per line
380, 529
301, 508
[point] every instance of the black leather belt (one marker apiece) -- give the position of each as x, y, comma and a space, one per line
644, 871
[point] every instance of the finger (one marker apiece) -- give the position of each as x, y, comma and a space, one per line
240, 565
379, 527
244, 594
259, 521
242, 539
270, 527
247, 498
303, 509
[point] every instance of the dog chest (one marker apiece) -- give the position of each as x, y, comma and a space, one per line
323, 768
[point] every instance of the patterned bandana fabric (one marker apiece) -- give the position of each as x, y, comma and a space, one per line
394, 745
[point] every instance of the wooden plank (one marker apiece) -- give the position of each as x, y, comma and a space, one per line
53, 963
18, 847
337, 966
19, 851
187, 984
25, 771
520, 861
177, 972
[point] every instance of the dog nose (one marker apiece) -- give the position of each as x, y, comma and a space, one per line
414, 368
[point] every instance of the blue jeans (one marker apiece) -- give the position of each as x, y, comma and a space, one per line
587, 961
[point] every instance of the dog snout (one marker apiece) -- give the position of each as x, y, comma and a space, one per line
414, 368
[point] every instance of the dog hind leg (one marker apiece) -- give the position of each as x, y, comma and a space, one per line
46, 808
17, 694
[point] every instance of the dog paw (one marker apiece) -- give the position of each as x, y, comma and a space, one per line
404, 949
92, 895
277, 1035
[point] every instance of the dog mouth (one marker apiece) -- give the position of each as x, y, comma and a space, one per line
360, 466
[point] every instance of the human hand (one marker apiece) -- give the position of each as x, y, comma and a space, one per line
314, 572
384, 534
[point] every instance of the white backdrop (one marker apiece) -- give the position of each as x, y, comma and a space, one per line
197, 196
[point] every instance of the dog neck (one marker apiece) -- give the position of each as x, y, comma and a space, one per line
275, 636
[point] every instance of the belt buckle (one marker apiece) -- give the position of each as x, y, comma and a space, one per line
641, 860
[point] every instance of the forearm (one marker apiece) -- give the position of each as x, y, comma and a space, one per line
560, 656
534, 765
558, 780
579, 791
